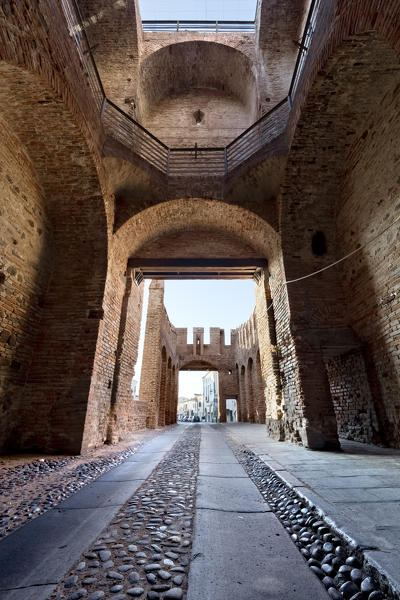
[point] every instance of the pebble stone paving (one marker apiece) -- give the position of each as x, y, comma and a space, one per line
30, 489
145, 551
341, 568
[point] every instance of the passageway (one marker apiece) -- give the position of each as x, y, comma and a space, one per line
200, 511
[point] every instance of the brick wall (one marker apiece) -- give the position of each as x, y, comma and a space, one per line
369, 203
25, 271
341, 178
178, 80
352, 398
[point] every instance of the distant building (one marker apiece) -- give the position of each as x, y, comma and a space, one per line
231, 411
134, 386
188, 408
210, 395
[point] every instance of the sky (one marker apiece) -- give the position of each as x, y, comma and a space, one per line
194, 303
197, 10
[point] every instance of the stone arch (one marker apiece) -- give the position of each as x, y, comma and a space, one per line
54, 359
259, 390
168, 402
211, 82
250, 390
243, 394
162, 402
199, 215
199, 228
200, 364
174, 395
239, 398
348, 120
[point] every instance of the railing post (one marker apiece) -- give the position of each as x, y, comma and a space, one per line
216, 26
177, 25
168, 157
103, 107
226, 160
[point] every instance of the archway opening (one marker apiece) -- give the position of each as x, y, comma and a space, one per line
231, 410
198, 398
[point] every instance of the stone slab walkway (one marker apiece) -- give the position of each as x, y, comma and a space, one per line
357, 489
240, 549
35, 558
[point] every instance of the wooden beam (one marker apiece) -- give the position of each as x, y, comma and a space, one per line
211, 263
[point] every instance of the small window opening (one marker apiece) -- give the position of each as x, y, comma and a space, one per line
198, 116
318, 243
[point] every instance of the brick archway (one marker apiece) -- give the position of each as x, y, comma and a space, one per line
57, 271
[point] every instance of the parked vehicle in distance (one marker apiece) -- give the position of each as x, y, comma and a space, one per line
196, 419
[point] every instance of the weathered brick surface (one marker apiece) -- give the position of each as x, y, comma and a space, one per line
331, 186
24, 276
352, 398
59, 377
179, 79
71, 324
114, 33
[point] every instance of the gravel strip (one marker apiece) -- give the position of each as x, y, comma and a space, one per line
341, 568
29, 489
145, 551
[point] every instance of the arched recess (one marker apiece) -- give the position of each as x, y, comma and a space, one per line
341, 186
259, 391
168, 395
250, 390
240, 411
243, 395
173, 397
162, 402
54, 268
197, 92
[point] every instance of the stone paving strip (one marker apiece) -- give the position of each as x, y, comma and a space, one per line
341, 568
145, 551
30, 489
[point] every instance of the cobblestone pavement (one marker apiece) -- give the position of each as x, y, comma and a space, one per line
145, 551
342, 569
31, 487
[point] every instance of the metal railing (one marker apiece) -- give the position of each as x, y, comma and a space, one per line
304, 46
196, 161
125, 130
77, 32
263, 131
200, 26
